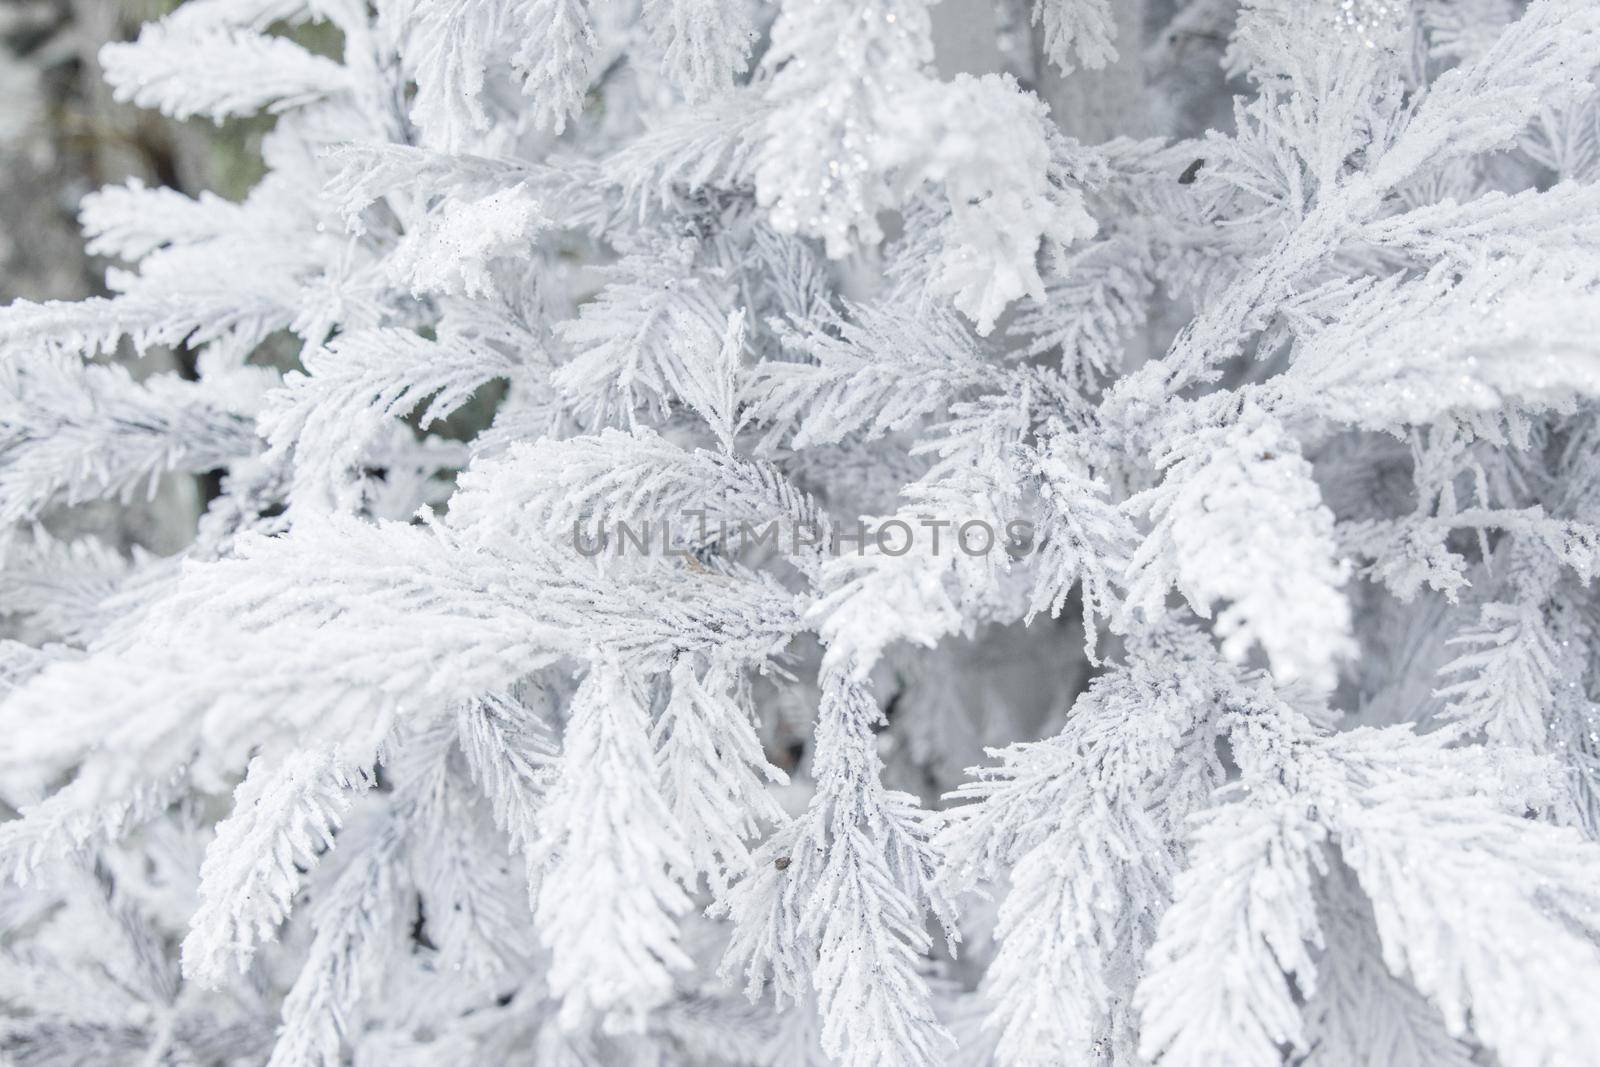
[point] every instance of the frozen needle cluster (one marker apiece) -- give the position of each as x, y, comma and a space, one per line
736, 536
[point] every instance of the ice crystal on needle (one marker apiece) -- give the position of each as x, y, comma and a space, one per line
744, 533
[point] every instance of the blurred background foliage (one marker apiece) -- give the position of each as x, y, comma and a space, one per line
63, 135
